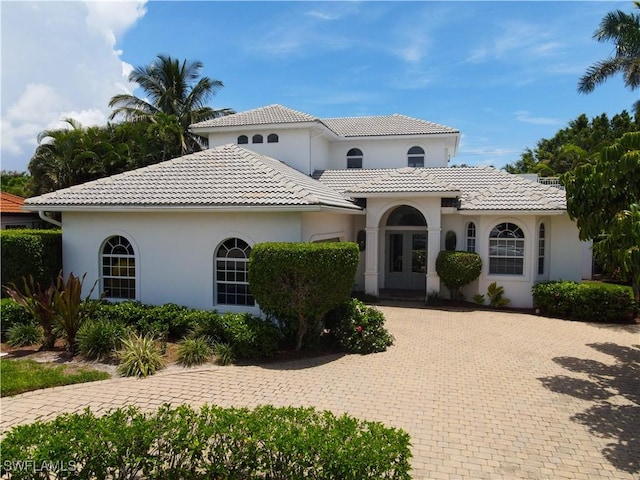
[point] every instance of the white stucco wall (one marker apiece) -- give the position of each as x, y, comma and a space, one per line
566, 255
390, 152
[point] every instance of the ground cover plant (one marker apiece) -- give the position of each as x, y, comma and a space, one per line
212, 442
19, 376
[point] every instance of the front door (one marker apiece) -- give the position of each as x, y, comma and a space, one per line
406, 267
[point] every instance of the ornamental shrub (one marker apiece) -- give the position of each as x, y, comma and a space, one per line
457, 269
100, 339
193, 351
140, 356
30, 252
358, 328
587, 301
13, 314
22, 335
211, 442
301, 282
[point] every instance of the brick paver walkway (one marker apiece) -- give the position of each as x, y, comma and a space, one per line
483, 394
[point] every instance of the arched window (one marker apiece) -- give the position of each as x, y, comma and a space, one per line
450, 241
231, 268
541, 238
243, 140
415, 157
354, 158
471, 237
118, 268
257, 138
405, 216
272, 138
506, 250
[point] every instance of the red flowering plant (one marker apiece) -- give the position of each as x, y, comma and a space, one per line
359, 328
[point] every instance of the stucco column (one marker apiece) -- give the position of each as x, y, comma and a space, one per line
433, 280
371, 262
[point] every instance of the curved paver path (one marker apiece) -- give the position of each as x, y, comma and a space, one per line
483, 394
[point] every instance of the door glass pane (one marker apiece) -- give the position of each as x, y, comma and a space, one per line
419, 253
395, 252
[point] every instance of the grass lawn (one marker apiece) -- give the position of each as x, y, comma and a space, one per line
19, 376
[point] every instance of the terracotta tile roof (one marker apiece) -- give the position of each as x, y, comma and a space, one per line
10, 203
481, 188
383, 125
227, 176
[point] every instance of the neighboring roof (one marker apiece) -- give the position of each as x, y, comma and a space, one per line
481, 188
271, 114
384, 125
10, 203
224, 176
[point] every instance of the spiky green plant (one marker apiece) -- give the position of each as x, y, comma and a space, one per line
224, 354
140, 356
23, 335
193, 351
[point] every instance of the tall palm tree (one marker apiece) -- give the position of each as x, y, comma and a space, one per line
623, 30
173, 88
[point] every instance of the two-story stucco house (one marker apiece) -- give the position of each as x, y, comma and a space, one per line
182, 231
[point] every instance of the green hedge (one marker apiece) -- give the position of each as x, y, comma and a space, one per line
213, 442
591, 302
30, 252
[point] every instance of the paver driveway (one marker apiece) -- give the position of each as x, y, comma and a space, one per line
483, 394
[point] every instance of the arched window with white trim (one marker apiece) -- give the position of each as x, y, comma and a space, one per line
471, 237
506, 250
118, 266
354, 158
257, 138
541, 248
231, 273
415, 157
243, 140
272, 138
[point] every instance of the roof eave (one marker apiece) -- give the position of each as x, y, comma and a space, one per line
401, 194
253, 126
512, 211
192, 208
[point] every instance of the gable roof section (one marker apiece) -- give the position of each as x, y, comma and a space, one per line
10, 203
386, 125
226, 176
481, 188
271, 114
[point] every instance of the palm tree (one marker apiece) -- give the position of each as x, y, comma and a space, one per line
623, 30
172, 88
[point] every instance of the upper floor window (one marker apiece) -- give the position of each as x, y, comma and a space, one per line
506, 250
243, 139
118, 261
415, 157
541, 239
354, 158
257, 138
272, 138
471, 237
231, 273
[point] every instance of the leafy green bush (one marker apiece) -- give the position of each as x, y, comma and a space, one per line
100, 339
213, 442
30, 252
193, 351
13, 314
359, 328
457, 269
592, 302
302, 281
140, 356
21, 335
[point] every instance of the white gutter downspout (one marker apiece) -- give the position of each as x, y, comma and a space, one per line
44, 217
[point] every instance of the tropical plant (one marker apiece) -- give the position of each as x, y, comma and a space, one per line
39, 303
224, 354
172, 88
457, 269
140, 356
99, 339
70, 309
623, 30
479, 299
496, 295
193, 351
23, 335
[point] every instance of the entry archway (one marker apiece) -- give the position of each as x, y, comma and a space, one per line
406, 249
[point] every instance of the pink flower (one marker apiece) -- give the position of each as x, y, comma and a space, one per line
359, 329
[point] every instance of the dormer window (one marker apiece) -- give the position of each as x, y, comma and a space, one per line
257, 139
272, 138
354, 158
415, 157
243, 140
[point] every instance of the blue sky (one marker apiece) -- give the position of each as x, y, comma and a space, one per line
504, 73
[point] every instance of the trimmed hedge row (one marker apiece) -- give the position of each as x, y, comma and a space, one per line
30, 252
591, 302
214, 442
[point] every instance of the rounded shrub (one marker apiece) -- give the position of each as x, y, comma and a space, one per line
193, 351
457, 269
359, 328
22, 335
99, 339
13, 314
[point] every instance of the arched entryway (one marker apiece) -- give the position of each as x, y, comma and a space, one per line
406, 249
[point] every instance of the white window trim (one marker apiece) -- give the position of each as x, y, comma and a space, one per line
136, 257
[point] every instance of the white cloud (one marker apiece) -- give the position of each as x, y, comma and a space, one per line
66, 66
523, 116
